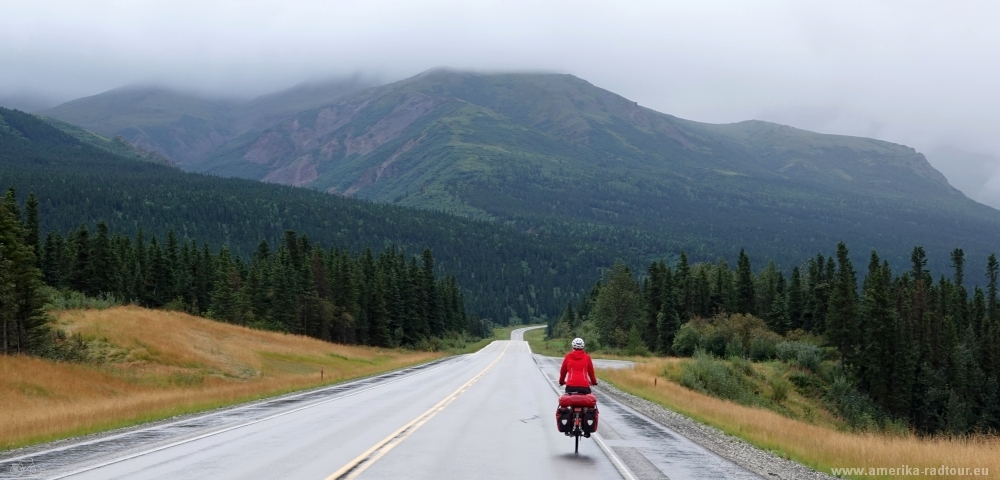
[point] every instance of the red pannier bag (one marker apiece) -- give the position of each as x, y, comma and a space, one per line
586, 401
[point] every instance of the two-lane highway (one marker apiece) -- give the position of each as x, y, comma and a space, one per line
484, 415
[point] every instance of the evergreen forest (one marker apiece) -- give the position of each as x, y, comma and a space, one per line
505, 275
900, 348
387, 300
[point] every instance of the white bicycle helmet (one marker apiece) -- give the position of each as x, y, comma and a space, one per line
577, 343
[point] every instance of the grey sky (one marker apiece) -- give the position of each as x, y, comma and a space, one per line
919, 73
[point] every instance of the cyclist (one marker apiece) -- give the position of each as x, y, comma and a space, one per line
577, 371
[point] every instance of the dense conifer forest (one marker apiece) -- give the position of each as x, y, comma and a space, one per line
505, 275
904, 347
387, 300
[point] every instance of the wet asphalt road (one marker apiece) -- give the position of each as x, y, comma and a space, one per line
486, 415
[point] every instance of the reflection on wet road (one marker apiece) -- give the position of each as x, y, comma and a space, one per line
493, 417
637, 438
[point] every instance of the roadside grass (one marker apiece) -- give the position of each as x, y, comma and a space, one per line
145, 365
559, 347
818, 443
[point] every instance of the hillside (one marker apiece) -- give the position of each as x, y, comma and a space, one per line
186, 127
144, 365
503, 273
554, 153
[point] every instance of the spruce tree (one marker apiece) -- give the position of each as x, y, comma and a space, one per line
23, 327
703, 292
225, 295
992, 302
378, 315
745, 302
795, 300
876, 365
53, 259
101, 269
683, 284
777, 317
432, 302
652, 294
79, 275
841, 325
668, 320
31, 226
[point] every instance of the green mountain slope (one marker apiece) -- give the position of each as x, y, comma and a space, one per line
553, 153
117, 146
504, 273
187, 127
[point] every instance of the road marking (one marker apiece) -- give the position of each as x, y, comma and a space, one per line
361, 463
623, 470
217, 432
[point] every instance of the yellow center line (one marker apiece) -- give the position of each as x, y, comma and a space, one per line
361, 463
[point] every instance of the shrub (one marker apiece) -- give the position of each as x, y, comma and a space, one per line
634, 345
734, 348
806, 355
761, 349
858, 410
725, 336
73, 300
742, 365
588, 332
779, 389
717, 378
688, 340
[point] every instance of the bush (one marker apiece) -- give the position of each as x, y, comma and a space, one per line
62, 347
717, 378
73, 300
858, 410
806, 355
687, 340
762, 349
742, 365
725, 336
634, 345
779, 389
734, 348
588, 332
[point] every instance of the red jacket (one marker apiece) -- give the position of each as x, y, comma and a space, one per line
576, 368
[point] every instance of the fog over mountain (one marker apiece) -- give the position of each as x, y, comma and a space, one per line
916, 73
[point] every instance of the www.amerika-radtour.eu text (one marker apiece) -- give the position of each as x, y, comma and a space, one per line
906, 470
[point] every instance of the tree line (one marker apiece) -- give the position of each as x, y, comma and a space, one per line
925, 351
387, 300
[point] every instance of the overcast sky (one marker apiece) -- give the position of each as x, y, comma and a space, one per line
924, 74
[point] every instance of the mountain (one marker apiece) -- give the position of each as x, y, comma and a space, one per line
553, 153
187, 127
117, 146
504, 273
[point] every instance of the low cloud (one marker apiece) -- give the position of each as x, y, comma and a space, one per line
920, 73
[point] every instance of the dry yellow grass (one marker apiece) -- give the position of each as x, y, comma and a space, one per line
818, 447
158, 364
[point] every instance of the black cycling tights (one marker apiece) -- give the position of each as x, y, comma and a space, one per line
570, 389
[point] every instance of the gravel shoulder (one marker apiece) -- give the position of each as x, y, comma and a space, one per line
736, 450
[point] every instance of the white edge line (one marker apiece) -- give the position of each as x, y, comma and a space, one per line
221, 411
617, 462
188, 440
